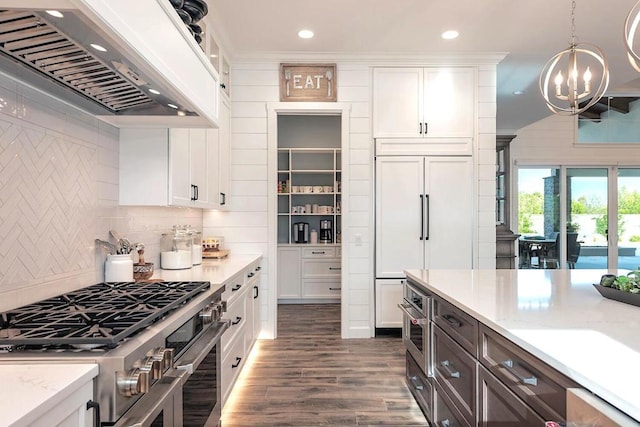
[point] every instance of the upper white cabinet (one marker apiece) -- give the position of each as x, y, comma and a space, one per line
424, 110
169, 167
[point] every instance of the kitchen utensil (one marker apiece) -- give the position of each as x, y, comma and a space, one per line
287, 77
329, 75
108, 246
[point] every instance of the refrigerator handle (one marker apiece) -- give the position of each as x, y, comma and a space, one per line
426, 201
421, 217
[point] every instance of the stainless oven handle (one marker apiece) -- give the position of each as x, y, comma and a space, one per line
414, 319
192, 358
147, 409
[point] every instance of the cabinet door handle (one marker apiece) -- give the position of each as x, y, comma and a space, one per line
317, 253
421, 217
197, 192
223, 198
335, 268
238, 320
452, 321
426, 202
420, 128
256, 292
426, 128
193, 192
96, 412
446, 366
235, 288
335, 289
508, 365
238, 360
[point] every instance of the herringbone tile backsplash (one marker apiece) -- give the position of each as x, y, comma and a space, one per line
58, 193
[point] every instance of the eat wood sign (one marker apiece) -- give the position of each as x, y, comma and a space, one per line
308, 82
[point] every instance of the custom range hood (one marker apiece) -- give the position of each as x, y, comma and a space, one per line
131, 63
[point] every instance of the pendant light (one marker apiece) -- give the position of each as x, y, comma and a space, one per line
566, 80
630, 28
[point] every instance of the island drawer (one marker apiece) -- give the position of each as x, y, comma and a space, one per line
419, 386
458, 324
537, 384
455, 370
445, 412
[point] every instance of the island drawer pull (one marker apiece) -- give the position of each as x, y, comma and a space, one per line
451, 320
235, 365
416, 383
444, 423
508, 365
238, 320
451, 374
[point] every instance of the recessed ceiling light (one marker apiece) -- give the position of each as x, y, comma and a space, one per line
173, 106
98, 47
519, 92
153, 91
305, 34
55, 13
450, 34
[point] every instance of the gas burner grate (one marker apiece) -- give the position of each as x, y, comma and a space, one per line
99, 315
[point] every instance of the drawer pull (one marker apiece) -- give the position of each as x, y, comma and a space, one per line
417, 383
238, 360
451, 320
317, 252
335, 289
414, 320
238, 320
451, 374
444, 423
335, 268
258, 268
235, 288
508, 365
250, 274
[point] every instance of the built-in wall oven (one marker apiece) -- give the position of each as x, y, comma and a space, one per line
416, 329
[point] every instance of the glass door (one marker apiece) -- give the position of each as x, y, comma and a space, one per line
587, 208
628, 223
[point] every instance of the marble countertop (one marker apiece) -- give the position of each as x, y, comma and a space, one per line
31, 391
558, 316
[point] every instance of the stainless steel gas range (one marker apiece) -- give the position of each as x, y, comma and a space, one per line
155, 343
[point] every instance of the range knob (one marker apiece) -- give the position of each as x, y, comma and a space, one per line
153, 367
208, 314
133, 382
164, 356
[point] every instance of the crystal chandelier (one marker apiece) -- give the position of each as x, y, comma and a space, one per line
630, 28
569, 93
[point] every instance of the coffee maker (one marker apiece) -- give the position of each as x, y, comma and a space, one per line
326, 231
301, 232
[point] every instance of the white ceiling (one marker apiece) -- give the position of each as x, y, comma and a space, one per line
529, 32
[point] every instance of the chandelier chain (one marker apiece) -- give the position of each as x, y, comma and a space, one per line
573, 22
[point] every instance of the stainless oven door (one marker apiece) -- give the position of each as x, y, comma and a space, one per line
160, 407
202, 386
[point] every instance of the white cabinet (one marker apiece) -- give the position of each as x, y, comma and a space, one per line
219, 153
424, 110
175, 167
242, 298
388, 296
424, 213
309, 272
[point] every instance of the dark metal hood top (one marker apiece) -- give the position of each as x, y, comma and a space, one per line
110, 68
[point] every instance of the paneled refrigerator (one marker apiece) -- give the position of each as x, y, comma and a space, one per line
424, 219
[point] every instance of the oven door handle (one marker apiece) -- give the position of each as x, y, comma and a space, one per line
152, 404
416, 320
192, 358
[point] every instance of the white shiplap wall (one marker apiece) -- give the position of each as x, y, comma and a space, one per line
254, 84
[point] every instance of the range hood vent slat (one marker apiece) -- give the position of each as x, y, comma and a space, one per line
32, 40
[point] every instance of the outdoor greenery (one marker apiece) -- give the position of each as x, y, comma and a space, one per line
530, 204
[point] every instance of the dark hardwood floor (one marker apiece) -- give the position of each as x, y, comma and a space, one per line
309, 376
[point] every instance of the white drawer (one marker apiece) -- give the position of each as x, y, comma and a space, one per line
237, 313
321, 289
234, 287
319, 252
321, 268
232, 363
